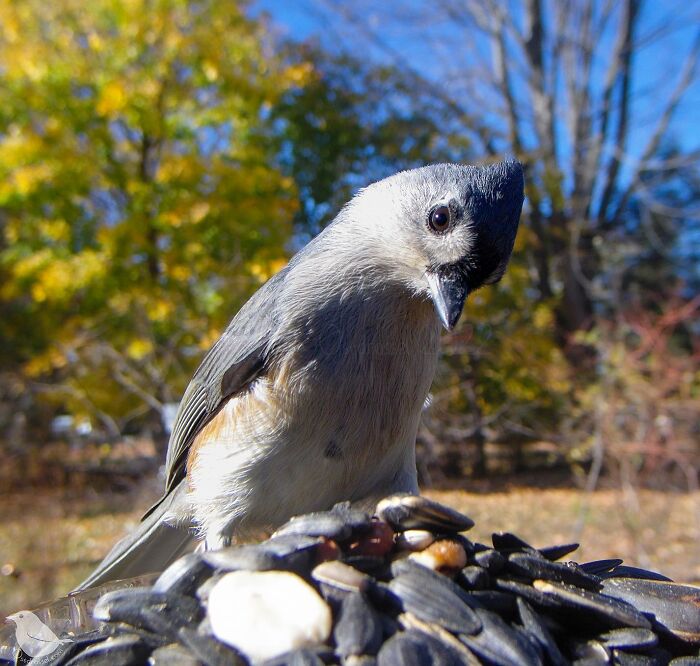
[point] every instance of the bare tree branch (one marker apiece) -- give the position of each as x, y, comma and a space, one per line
686, 77
627, 27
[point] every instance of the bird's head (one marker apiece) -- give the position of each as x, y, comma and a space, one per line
444, 230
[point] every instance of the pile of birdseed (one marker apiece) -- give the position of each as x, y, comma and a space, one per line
403, 587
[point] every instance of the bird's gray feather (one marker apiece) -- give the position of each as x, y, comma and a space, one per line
236, 359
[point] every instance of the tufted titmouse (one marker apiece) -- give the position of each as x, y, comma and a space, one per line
313, 393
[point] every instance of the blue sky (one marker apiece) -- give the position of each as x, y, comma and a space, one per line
655, 73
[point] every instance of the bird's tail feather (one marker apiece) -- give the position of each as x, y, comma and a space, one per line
151, 547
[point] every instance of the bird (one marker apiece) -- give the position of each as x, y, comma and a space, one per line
313, 393
33, 636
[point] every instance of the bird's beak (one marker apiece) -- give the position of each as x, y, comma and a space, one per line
449, 290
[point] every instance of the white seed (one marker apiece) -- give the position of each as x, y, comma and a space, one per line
414, 539
267, 613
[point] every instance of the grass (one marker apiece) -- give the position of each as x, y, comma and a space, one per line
49, 541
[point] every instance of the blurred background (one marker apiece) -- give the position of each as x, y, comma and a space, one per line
160, 159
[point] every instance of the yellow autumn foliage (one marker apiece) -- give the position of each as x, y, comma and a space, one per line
112, 99
137, 185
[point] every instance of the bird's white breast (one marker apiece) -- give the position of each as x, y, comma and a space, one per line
335, 417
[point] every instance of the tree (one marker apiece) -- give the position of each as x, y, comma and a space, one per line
139, 202
353, 123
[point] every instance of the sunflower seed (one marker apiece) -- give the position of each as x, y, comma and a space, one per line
600, 567
243, 558
611, 611
554, 553
589, 653
437, 603
537, 628
628, 639
415, 648
499, 602
125, 650
358, 629
405, 512
490, 559
321, 524
624, 571
509, 543
355, 519
500, 644
534, 596
184, 576
535, 566
209, 650
474, 578
157, 612
338, 577
430, 579
676, 607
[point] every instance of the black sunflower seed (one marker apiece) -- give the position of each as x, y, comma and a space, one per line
337, 580
535, 566
499, 644
589, 653
243, 558
357, 520
433, 579
624, 571
655, 657
554, 553
209, 650
537, 628
494, 600
608, 610
358, 628
675, 607
490, 560
536, 597
509, 543
321, 524
600, 567
628, 639
158, 612
411, 512
437, 603
415, 648
125, 650
474, 578
184, 575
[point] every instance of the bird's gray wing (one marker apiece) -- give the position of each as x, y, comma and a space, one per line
235, 360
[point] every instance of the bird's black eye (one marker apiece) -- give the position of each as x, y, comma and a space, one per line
439, 219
